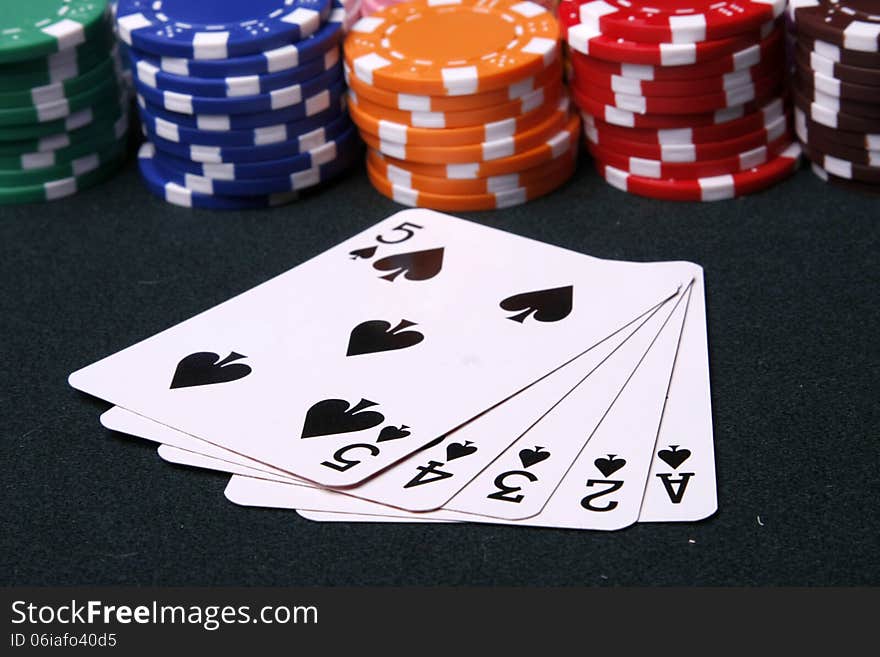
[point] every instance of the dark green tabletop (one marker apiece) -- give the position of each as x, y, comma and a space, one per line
792, 280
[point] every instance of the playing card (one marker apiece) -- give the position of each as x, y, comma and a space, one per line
681, 485
132, 424
492, 431
423, 322
585, 391
685, 442
603, 488
430, 478
192, 459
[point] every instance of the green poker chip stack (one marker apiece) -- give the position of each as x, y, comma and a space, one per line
63, 99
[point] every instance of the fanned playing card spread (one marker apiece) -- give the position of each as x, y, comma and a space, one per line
431, 369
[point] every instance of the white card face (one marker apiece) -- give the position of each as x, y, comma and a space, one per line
412, 485
686, 424
194, 460
126, 422
317, 371
604, 487
430, 478
519, 482
491, 433
681, 485
577, 397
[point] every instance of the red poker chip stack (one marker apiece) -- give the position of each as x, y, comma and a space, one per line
682, 99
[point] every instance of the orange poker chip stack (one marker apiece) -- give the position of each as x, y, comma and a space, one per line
461, 104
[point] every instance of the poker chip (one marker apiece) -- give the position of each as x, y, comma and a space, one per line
90, 50
674, 21
78, 166
857, 140
160, 184
749, 92
215, 142
406, 48
629, 119
315, 150
152, 76
837, 104
681, 100
831, 118
469, 202
38, 28
767, 50
478, 122
63, 103
76, 134
838, 54
66, 147
761, 119
587, 72
243, 104
441, 134
842, 168
63, 187
558, 145
296, 181
837, 89
845, 154
403, 175
106, 91
218, 29
288, 96
811, 60
50, 129
702, 168
59, 91
310, 106
586, 38
600, 134
848, 24
832, 86
588, 42
714, 188
51, 70
489, 150
283, 58
849, 185
549, 95
426, 103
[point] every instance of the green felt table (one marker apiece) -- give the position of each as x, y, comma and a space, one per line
792, 280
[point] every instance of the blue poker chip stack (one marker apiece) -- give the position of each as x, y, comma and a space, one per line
242, 103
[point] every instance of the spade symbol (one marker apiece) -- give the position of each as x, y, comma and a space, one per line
205, 368
366, 253
457, 450
674, 456
415, 266
610, 465
377, 335
530, 457
332, 416
393, 433
547, 305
